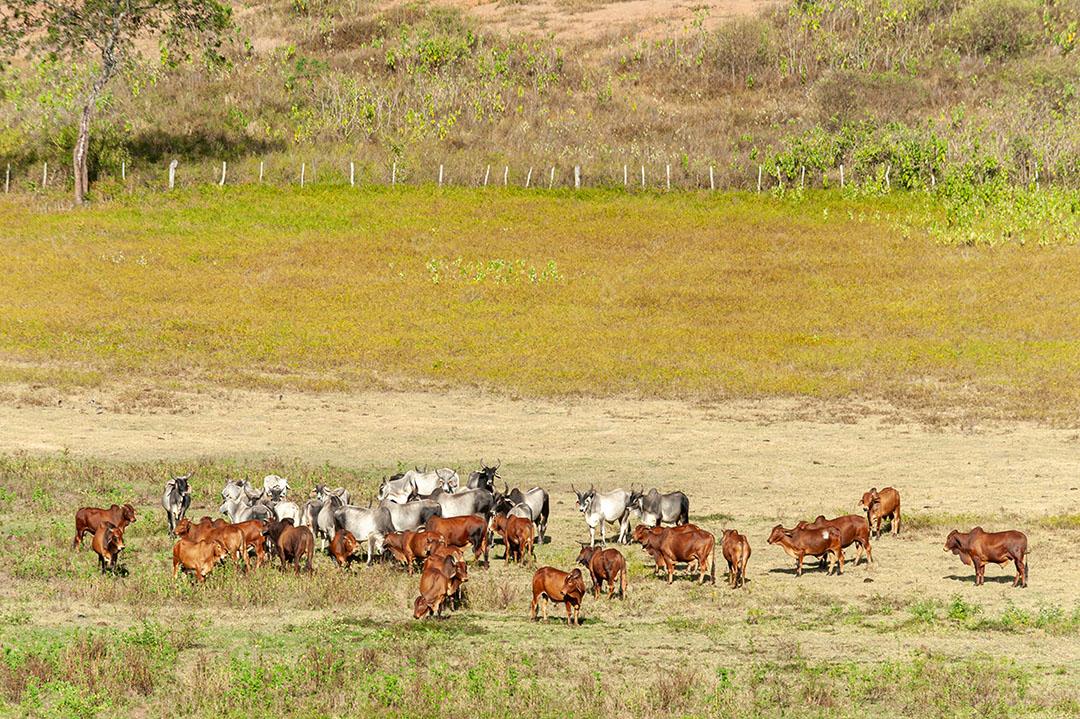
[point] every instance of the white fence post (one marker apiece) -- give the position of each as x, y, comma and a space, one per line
393, 175
625, 177
352, 174
261, 162
506, 175
440, 175
7, 179
841, 176
123, 170
45, 175
759, 178
172, 173
528, 178
668, 169
551, 179
643, 177
802, 177
224, 166
712, 182
303, 173
888, 185
577, 177
487, 172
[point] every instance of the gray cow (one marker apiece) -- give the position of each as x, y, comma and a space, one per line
670, 508
465, 502
411, 515
600, 509
176, 499
369, 525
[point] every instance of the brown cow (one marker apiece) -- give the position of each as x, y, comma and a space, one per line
471, 529
253, 538
88, 519
979, 548
557, 586
605, 565
642, 531
108, 542
343, 546
441, 551
879, 505
518, 536
291, 543
195, 531
668, 545
457, 573
199, 557
853, 530
234, 540
437, 585
409, 546
801, 543
736, 550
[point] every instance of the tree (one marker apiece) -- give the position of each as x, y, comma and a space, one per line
108, 29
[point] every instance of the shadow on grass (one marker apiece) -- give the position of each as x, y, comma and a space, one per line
970, 578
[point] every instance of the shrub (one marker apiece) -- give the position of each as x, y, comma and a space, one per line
996, 28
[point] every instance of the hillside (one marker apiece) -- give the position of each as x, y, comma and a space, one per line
961, 91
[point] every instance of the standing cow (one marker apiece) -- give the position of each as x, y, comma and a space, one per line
176, 499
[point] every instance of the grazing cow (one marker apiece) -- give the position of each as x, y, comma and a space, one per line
879, 505
370, 525
671, 545
655, 508
342, 547
599, 509
736, 550
292, 543
462, 532
108, 542
465, 502
853, 530
978, 548
399, 489
437, 585
559, 587
411, 515
198, 557
457, 574
801, 543
484, 478
275, 487
605, 565
409, 546
88, 519
176, 499
518, 538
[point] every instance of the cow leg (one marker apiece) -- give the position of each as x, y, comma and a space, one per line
532, 609
569, 614
543, 608
896, 522
798, 565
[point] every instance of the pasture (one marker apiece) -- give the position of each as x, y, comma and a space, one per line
912, 636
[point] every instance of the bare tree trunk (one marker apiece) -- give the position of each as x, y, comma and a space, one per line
80, 158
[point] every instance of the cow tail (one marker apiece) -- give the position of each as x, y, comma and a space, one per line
685, 510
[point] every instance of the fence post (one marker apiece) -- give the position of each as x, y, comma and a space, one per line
440, 175
486, 173
802, 177
933, 180
625, 177
668, 170
7, 179
643, 177
841, 176
577, 177
303, 173
261, 171
506, 175
352, 174
393, 175
45, 175
759, 178
888, 185
224, 165
123, 170
172, 173
528, 178
551, 180
712, 182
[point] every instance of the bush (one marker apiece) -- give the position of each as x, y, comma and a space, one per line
996, 28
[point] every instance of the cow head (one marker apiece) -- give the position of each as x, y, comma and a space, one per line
584, 499
448, 479
127, 514
586, 554
184, 526
869, 499
421, 608
183, 484
219, 553
778, 534
636, 496
113, 537
232, 490
574, 585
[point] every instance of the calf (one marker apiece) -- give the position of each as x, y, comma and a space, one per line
233, 538
343, 546
557, 586
89, 519
291, 543
108, 542
199, 557
253, 538
979, 548
518, 537
881, 505
801, 543
436, 587
409, 546
605, 565
853, 530
456, 572
472, 529
669, 545
736, 550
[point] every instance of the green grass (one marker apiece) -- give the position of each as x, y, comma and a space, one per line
534, 293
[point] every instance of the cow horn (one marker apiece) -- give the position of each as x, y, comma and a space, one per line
572, 487
498, 463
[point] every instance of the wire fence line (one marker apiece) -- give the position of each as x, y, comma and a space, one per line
178, 173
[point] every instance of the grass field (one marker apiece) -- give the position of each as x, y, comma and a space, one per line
912, 637
689, 296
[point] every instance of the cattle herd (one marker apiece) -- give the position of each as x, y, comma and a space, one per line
427, 521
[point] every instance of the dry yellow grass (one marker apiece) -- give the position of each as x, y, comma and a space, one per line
689, 296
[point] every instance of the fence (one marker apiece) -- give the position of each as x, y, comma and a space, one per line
302, 173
